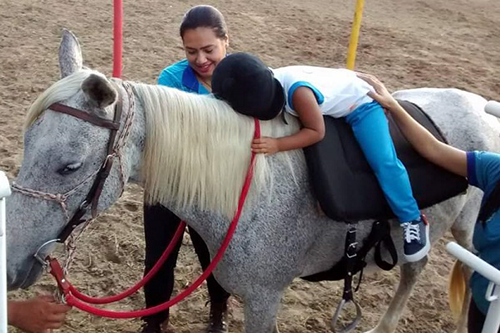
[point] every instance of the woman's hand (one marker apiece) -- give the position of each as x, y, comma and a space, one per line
265, 145
381, 94
37, 315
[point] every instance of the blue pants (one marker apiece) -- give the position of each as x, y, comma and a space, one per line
371, 130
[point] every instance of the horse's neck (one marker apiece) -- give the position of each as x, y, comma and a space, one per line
225, 165
200, 159
135, 150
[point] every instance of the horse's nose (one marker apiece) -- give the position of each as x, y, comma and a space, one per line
15, 275
21, 279
11, 282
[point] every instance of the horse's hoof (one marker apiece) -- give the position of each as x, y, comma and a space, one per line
154, 326
218, 318
151, 327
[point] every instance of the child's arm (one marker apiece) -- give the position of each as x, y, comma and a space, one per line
447, 157
313, 126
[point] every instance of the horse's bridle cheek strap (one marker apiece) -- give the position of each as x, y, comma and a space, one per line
113, 149
92, 198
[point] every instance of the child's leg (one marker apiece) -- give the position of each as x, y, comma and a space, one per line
371, 130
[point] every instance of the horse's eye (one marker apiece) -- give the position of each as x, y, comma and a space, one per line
70, 168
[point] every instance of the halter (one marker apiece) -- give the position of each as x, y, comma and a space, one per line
114, 149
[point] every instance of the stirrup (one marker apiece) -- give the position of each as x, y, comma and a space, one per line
336, 316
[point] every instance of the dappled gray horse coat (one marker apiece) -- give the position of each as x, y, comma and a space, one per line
281, 234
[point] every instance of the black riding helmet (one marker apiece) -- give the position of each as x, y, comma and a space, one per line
249, 86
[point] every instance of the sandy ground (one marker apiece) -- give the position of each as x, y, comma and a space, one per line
408, 43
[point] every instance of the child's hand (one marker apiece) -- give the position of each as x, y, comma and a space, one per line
265, 145
381, 94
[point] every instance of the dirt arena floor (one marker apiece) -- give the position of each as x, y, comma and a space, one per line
407, 43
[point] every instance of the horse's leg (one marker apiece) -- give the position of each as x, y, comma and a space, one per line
261, 309
409, 275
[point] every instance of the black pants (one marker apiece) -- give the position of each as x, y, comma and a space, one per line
475, 319
160, 225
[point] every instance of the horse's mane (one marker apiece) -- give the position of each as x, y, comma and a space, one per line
197, 149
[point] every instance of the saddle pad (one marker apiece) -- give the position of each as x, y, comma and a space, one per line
347, 189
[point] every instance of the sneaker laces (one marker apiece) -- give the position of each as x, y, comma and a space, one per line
411, 232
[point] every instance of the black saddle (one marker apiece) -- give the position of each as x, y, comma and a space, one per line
347, 189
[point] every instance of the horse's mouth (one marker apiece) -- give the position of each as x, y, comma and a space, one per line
25, 279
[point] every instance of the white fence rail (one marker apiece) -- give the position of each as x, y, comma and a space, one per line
492, 322
493, 108
4, 192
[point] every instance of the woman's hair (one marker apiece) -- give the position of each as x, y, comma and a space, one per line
204, 16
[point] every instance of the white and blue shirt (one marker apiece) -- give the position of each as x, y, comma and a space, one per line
181, 76
338, 91
483, 171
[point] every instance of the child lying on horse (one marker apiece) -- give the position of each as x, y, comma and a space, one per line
309, 93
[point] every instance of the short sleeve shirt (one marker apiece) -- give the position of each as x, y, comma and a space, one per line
338, 91
181, 76
483, 171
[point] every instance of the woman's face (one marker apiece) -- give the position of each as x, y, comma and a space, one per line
204, 50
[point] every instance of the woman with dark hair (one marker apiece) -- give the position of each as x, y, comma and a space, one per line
204, 36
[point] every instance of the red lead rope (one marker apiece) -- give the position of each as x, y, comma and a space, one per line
111, 299
76, 299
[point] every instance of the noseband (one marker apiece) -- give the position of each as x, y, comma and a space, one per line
114, 150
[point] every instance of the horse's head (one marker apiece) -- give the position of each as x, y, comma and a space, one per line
62, 156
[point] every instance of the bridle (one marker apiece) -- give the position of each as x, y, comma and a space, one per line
114, 150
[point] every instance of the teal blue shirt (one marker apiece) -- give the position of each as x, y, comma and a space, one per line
181, 76
483, 171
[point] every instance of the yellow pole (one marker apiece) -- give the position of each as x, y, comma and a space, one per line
353, 43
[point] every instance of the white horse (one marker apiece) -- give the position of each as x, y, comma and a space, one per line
191, 153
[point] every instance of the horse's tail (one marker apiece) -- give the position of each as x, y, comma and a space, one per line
456, 289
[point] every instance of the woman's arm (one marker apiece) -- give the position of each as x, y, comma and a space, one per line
313, 126
447, 157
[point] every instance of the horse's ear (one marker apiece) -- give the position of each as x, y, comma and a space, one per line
99, 90
70, 54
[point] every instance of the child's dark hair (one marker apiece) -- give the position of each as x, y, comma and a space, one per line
204, 16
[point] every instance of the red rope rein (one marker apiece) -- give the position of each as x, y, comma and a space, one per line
111, 299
